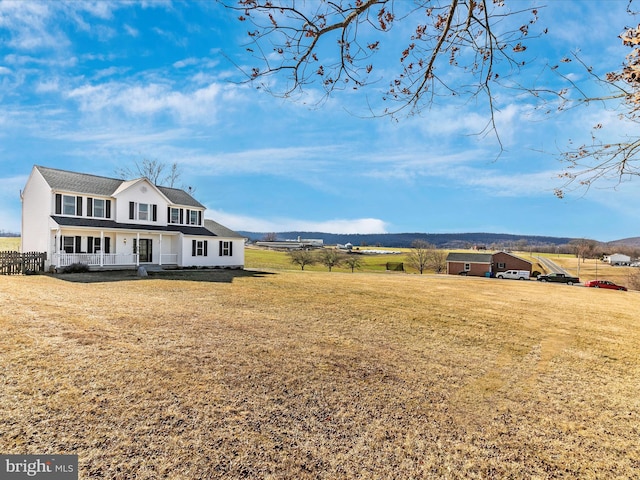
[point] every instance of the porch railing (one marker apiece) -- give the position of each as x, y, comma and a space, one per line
107, 259
168, 259
94, 259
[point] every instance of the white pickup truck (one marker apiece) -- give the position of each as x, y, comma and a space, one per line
514, 274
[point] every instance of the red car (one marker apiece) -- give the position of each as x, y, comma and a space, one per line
604, 284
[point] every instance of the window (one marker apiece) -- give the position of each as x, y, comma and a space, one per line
502, 265
467, 267
143, 211
194, 217
99, 208
68, 205
226, 249
70, 244
174, 215
95, 245
199, 248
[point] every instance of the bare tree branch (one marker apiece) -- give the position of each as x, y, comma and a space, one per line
334, 44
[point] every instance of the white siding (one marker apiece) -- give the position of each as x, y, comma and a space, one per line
213, 258
141, 192
37, 206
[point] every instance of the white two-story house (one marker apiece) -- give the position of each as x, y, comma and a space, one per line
110, 223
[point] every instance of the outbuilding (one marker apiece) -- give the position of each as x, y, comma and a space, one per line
617, 259
484, 264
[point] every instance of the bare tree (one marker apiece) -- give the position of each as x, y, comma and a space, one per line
352, 261
330, 257
437, 260
618, 159
633, 282
302, 258
418, 257
270, 237
584, 248
155, 171
442, 48
336, 44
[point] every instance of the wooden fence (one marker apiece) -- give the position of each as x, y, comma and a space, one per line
14, 263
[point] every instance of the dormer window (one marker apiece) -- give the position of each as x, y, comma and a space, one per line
193, 217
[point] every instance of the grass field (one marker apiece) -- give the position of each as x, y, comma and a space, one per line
590, 269
9, 244
306, 375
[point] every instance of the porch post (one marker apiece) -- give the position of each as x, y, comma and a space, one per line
56, 247
138, 252
160, 251
102, 248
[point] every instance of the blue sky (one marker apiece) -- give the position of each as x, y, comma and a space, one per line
93, 86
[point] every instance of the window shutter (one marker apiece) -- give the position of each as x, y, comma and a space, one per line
230, 248
89, 244
132, 210
193, 248
79, 206
205, 247
135, 246
188, 217
220, 248
89, 207
168, 214
61, 243
59, 206
181, 216
78, 244
199, 218
107, 208
154, 214
107, 244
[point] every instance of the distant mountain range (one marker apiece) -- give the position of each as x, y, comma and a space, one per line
441, 240
400, 240
626, 242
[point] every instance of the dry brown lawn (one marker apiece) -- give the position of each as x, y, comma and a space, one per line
307, 375
593, 269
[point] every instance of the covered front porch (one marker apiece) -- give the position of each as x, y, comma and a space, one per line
114, 249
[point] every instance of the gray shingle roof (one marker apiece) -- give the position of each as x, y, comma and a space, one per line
111, 225
79, 182
104, 186
220, 230
470, 257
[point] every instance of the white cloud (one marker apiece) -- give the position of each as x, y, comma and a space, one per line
196, 106
342, 226
131, 31
187, 62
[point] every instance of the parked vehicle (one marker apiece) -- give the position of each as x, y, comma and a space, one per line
604, 284
514, 274
558, 278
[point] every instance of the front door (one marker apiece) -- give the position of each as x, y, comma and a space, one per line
146, 250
